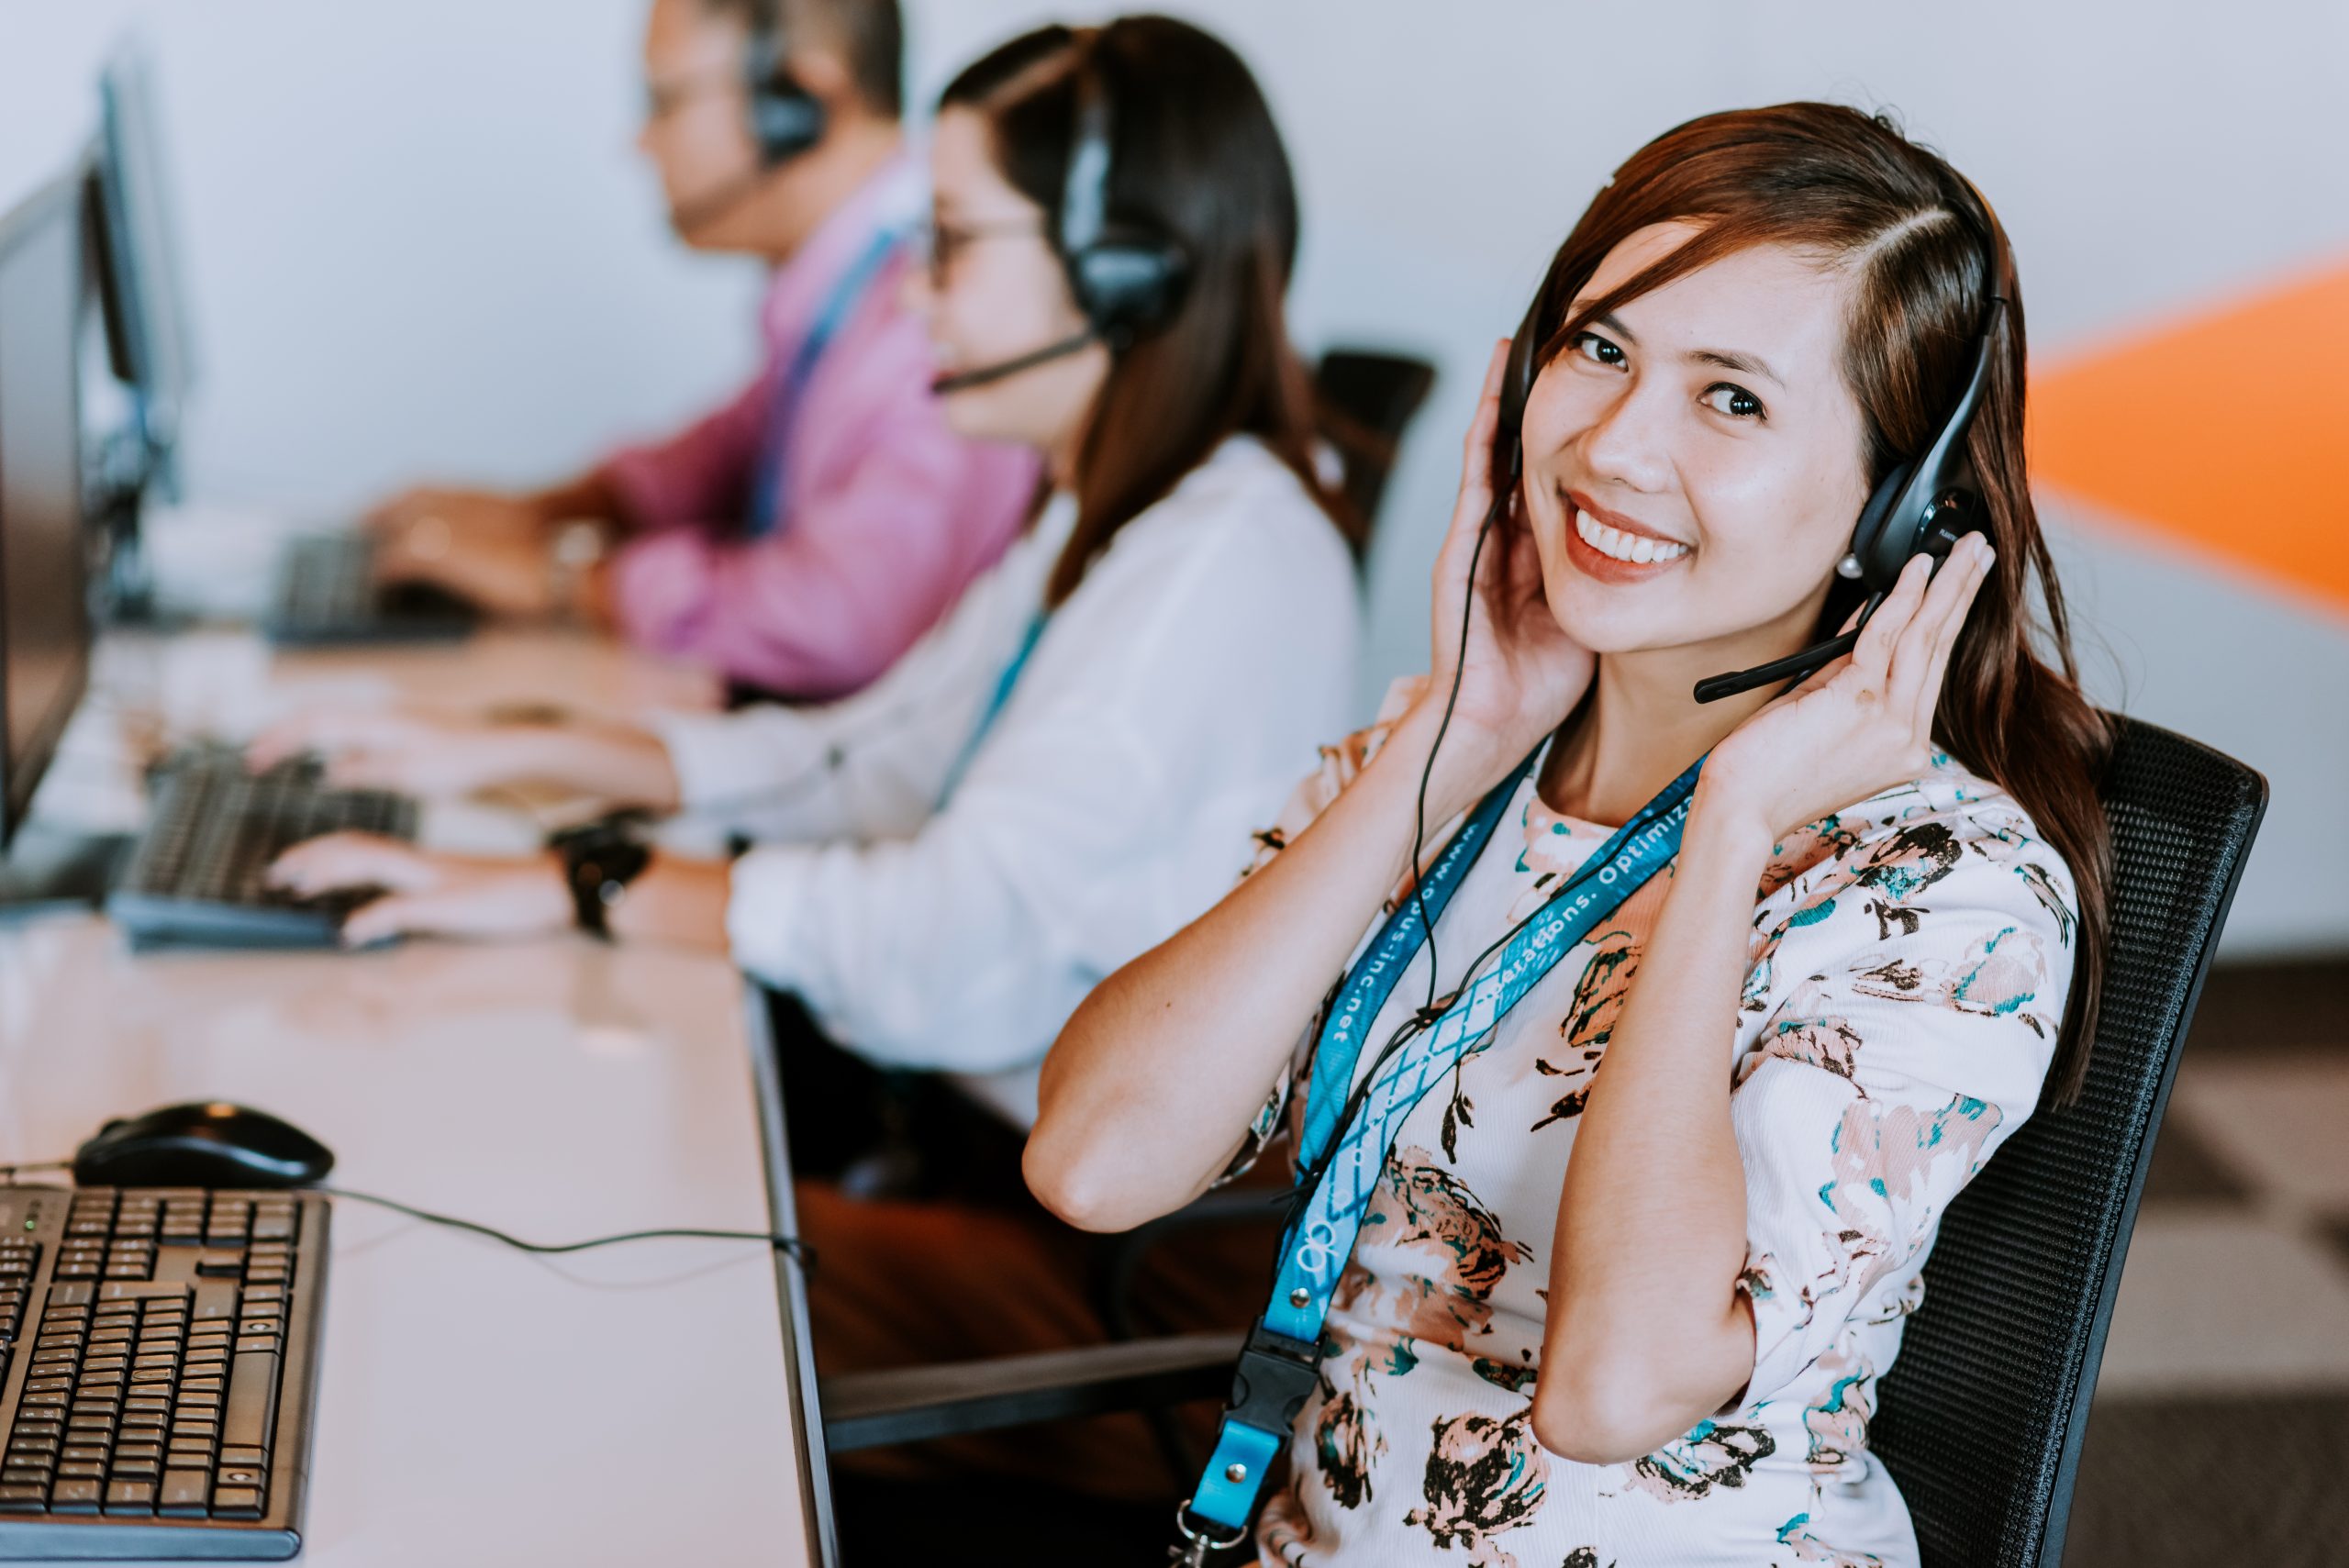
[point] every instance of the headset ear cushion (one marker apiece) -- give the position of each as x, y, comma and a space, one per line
1126, 288
784, 121
1879, 566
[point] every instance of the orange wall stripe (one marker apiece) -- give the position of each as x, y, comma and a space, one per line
2228, 430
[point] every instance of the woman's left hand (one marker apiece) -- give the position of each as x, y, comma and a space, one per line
443, 894
1861, 725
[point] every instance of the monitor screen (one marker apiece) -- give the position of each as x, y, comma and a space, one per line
137, 261
44, 608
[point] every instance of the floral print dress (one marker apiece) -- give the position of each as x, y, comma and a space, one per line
1910, 961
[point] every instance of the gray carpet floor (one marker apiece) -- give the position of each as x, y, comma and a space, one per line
2225, 1392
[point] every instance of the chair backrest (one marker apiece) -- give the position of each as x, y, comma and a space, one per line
1980, 1420
1373, 396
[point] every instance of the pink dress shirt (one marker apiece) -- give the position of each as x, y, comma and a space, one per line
885, 514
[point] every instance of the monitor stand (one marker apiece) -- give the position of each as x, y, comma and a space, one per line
50, 871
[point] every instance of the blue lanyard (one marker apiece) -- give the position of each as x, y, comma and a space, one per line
994, 708
1278, 1367
782, 414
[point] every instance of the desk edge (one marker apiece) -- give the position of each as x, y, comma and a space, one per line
791, 1283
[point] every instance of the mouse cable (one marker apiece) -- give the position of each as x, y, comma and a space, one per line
790, 1246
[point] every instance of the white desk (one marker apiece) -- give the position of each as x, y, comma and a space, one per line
632, 1406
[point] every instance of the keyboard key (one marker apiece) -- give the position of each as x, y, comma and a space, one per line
237, 1502
251, 1411
131, 1497
74, 1498
16, 1497
185, 1492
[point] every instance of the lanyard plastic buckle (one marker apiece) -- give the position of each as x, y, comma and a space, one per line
1275, 1374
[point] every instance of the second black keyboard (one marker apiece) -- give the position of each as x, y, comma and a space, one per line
328, 595
196, 875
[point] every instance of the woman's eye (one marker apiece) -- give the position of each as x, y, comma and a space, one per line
1726, 397
1597, 349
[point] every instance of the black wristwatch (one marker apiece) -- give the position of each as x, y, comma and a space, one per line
599, 859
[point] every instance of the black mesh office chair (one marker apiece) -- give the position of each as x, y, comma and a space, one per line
1368, 401
1982, 1418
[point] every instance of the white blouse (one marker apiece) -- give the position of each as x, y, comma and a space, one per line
1165, 711
1906, 979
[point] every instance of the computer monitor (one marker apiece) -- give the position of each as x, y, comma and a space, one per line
138, 262
44, 604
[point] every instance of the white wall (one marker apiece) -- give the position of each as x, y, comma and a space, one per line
419, 244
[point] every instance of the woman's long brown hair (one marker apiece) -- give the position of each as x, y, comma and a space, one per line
1916, 241
1195, 159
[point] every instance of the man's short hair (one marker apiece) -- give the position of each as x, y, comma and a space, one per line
869, 34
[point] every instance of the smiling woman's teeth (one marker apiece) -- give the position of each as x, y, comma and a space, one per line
1614, 543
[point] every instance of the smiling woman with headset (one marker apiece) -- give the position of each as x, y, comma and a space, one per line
1614, 1187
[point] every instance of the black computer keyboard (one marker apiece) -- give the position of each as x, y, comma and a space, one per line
326, 594
157, 1362
195, 877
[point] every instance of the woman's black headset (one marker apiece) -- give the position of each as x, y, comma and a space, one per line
1127, 282
1922, 507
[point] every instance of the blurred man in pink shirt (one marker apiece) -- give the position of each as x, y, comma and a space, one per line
800, 537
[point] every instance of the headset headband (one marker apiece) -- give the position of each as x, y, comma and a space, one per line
786, 119
1085, 192
1127, 284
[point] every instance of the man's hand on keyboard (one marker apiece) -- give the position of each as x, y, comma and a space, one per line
426, 892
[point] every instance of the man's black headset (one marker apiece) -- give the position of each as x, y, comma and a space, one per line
784, 120
1127, 282
1922, 507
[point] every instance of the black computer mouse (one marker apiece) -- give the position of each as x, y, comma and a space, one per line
208, 1144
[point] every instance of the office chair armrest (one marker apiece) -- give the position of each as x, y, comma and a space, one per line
901, 1405
1119, 1259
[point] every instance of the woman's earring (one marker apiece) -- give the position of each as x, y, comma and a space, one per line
1849, 567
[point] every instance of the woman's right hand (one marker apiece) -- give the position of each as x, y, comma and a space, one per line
394, 749
1519, 673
